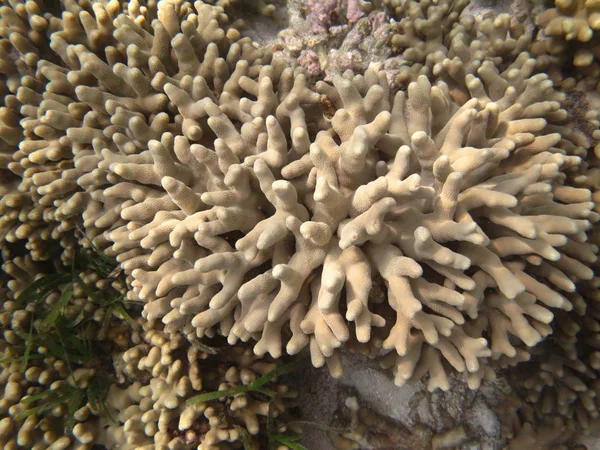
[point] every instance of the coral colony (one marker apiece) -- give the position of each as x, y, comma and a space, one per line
186, 215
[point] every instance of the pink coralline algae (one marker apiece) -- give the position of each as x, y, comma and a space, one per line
320, 12
310, 61
354, 12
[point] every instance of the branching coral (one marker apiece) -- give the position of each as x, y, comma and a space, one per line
26, 213
350, 195
54, 154
423, 26
564, 384
157, 415
560, 378
427, 34
438, 227
148, 376
52, 372
570, 21
497, 39
233, 200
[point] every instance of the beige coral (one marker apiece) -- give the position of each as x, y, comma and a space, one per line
423, 27
373, 209
570, 21
158, 415
50, 372
182, 168
238, 206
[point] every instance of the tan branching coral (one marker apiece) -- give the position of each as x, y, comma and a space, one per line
555, 436
151, 375
236, 202
423, 27
565, 384
448, 35
60, 121
438, 227
570, 22
28, 373
559, 379
497, 39
35, 113
383, 192
156, 415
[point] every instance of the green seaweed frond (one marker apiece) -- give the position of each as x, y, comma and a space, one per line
37, 291
290, 441
76, 341
72, 397
244, 437
255, 386
66, 339
258, 386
